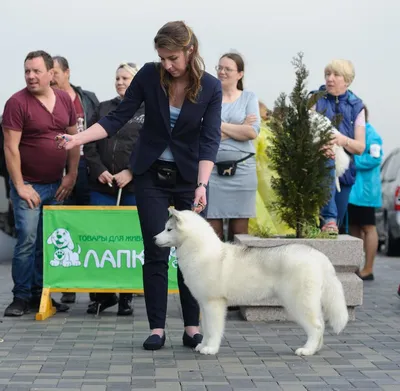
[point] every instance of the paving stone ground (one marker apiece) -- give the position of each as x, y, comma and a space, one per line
77, 351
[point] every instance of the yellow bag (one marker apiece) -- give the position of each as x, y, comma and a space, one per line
267, 220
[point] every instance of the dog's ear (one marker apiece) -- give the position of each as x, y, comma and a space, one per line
175, 213
49, 241
70, 242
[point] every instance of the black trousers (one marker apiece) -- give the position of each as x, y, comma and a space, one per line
152, 202
80, 194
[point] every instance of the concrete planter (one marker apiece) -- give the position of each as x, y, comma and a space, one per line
345, 253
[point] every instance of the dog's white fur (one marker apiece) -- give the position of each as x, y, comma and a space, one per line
219, 273
64, 246
342, 159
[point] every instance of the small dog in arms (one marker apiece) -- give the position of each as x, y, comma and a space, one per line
219, 274
342, 159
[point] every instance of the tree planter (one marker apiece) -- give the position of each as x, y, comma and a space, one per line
345, 253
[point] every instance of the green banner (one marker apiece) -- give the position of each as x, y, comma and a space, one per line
95, 247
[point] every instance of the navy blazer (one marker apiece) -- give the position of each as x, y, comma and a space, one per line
196, 135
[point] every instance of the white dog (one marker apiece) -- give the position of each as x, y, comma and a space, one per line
342, 159
64, 246
219, 273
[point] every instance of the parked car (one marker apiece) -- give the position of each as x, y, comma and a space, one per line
388, 216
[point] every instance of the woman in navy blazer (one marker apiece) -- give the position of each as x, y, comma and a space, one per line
172, 159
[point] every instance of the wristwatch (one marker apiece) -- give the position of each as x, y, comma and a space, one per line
202, 184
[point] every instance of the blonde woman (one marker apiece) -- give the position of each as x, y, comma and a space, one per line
109, 170
346, 112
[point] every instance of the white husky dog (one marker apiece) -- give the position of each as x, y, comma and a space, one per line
342, 159
217, 273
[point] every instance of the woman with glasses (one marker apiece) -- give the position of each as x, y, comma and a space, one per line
233, 181
109, 171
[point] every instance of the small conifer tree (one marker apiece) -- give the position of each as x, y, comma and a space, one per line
297, 155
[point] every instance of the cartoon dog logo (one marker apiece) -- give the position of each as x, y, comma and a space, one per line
227, 171
63, 246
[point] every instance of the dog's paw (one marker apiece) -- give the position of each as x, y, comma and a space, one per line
304, 352
54, 263
209, 349
76, 263
67, 263
199, 347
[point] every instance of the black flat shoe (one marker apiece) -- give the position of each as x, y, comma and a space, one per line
154, 342
191, 342
368, 277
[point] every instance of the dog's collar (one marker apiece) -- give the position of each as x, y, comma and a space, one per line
61, 248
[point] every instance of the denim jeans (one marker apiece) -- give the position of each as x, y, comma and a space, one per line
27, 263
336, 207
97, 198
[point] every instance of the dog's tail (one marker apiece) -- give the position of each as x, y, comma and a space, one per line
333, 301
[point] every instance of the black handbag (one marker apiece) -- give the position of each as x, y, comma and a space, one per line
228, 167
166, 176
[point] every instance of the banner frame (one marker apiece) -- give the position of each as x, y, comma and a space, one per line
46, 308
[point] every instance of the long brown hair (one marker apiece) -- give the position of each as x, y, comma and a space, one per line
176, 36
238, 59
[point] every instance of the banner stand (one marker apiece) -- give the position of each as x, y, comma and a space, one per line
46, 309
93, 249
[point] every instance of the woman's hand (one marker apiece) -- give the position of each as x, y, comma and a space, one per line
106, 178
328, 151
200, 199
67, 141
123, 178
339, 139
224, 136
250, 120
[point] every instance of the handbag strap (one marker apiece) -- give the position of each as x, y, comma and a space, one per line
245, 158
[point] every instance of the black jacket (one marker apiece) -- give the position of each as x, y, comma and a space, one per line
112, 154
197, 132
89, 102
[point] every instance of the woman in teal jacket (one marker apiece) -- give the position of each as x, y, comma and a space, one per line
365, 196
